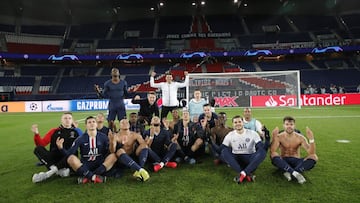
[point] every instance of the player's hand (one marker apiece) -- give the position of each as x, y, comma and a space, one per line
97, 88
59, 142
111, 136
35, 129
186, 73
166, 123
309, 133
152, 131
266, 132
275, 132
153, 74
137, 97
174, 138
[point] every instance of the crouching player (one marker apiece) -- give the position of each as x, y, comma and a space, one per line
95, 159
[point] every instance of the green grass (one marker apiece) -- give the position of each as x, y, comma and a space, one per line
335, 178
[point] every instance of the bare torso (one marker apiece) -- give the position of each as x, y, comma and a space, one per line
219, 132
128, 139
290, 144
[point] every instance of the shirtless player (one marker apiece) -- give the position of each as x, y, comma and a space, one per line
125, 142
289, 143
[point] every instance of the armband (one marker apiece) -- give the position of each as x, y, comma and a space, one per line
311, 141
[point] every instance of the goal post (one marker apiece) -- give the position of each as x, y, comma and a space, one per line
248, 89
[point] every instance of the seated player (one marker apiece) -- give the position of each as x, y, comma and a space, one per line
289, 142
95, 158
243, 150
130, 143
53, 159
161, 148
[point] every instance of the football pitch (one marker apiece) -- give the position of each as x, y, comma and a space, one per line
335, 178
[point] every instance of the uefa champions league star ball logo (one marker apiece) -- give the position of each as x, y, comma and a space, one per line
33, 106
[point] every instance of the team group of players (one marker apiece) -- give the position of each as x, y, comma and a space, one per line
145, 137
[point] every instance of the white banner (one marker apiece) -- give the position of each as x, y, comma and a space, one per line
33, 106
48, 106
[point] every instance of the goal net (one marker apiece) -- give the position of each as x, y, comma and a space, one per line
248, 89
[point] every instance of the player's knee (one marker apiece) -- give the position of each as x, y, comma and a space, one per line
110, 161
275, 160
199, 142
119, 152
172, 146
72, 159
143, 146
39, 150
313, 156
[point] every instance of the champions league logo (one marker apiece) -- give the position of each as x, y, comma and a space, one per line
33, 106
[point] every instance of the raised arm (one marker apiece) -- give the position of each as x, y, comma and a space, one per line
186, 81
275, 143
149, 136
309, 146
152, 81
42, 141
112, 141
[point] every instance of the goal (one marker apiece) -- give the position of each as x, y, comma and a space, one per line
248, 89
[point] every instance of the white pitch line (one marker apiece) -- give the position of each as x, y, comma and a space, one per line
324, 117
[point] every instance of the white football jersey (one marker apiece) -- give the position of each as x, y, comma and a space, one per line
242, 143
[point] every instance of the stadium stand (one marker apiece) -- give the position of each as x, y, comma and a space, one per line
150, 35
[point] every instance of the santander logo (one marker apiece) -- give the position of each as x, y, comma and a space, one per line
271, 102
305, 100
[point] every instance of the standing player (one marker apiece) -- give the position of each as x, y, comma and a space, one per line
116, 90
243, 150
196, 105
169, 91
289, 142
95, 159
53, 159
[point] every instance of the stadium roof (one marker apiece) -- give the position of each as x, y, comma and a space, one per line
91, 11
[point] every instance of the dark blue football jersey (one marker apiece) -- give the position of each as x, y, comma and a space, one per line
91, 148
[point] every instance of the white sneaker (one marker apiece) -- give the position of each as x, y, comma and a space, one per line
64, 172
38, 177
287, 176
300, 178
